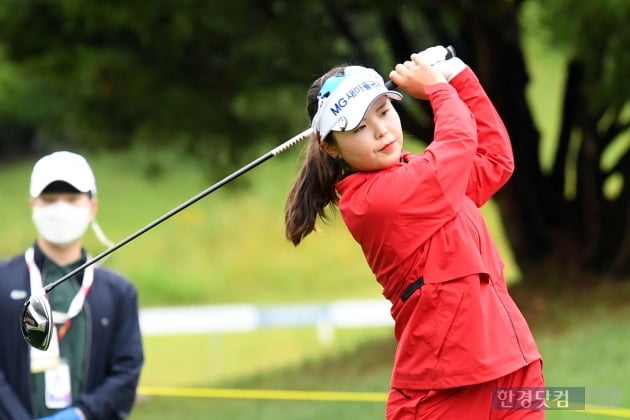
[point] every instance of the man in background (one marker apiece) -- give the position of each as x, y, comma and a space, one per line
92, 366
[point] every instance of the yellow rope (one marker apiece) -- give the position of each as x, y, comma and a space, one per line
268, 394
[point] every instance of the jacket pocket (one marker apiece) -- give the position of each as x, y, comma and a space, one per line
439, 317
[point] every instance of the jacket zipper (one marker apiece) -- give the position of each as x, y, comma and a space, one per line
518, 341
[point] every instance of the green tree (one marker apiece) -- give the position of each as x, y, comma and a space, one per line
212, 76
590, 226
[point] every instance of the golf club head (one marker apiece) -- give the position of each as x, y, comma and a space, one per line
36, 321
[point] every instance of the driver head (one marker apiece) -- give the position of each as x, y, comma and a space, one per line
36, 321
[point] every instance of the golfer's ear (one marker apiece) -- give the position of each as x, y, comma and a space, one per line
329, 149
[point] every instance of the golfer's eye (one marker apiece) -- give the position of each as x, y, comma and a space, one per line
359, 128
386, 108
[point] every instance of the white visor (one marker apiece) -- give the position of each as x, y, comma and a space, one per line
345, 99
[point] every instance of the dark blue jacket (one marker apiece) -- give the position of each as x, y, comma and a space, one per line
114, 350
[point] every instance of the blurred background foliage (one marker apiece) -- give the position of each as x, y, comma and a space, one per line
219, 80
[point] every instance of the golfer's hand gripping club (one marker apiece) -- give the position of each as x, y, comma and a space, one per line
433, 56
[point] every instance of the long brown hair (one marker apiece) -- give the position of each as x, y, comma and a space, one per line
314, 188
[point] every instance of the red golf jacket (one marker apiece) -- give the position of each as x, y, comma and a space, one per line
421, 218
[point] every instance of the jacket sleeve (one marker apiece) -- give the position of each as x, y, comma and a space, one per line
114, 375
493, 163
10, 406
450, 154
14, 365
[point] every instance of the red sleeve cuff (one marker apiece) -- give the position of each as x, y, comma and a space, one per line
436, 87
465, 75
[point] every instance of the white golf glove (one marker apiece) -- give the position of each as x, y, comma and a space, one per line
450, 68
433, 55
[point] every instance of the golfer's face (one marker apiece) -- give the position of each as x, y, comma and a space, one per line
376, 143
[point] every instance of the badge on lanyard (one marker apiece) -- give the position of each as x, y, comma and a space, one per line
58, 389
43, 360
58, 392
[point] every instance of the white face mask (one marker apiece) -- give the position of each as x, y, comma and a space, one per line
61, 223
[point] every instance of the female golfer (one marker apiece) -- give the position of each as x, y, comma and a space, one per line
462, 342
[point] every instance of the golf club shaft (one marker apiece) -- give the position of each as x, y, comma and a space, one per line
276, 151
450, 53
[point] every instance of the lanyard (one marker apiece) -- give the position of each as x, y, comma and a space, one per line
61, 318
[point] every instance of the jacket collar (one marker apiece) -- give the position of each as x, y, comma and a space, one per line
41, 258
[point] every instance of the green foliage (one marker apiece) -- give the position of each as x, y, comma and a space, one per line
597, 34
206, 75
163, 71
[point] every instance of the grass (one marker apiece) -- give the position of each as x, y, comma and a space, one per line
359, 369
212, 359
583, 335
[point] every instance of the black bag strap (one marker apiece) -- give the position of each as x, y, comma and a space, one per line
412, 288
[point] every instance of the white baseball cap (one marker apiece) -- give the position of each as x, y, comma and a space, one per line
345, 99
62, 166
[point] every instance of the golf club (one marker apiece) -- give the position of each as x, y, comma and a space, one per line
450, 53
36, 322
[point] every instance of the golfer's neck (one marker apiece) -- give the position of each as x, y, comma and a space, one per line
61, 255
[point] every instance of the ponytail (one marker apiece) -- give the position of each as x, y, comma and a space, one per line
314, 188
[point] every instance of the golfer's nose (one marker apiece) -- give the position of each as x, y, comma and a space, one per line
380, 129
